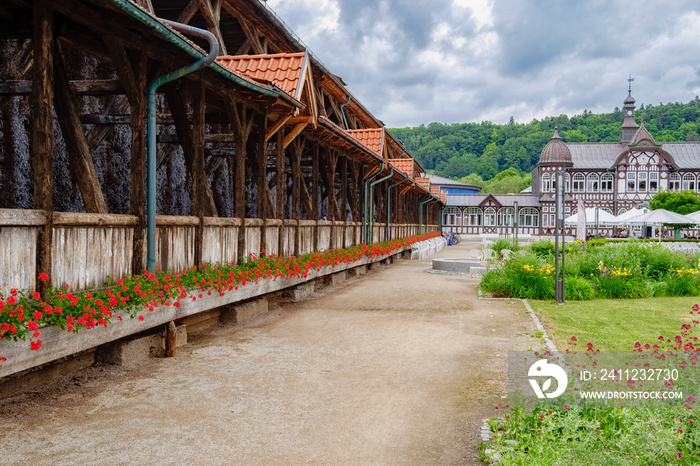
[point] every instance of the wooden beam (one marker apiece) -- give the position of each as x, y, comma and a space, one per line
146, 5
293, 134
80, 160
212, 15
188, 13
276, 126
281, 176
249, 30
183, 129
42, 131
343, 186
199, 200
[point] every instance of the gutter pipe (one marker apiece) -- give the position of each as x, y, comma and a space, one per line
171, 36
151, 129
371, 196
365, 211
342, 111
425, 201
388, 206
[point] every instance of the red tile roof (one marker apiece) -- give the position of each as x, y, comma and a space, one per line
443, 197
425, 182
285, 70
435, 191
372, 138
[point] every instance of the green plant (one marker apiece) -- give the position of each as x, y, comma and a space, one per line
578, 288
505, 243
542, 248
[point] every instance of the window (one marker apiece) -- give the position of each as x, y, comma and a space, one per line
606, 183
653, 182
545, 209
622, 211
546, 186
545, 220
592, 186
689, 182
674, 182
567, 209
631, 181
579, 181
490, 217
450, 216
505, 216
472, 217
567, 183
529, 217
642, 179
551, 221
605, 209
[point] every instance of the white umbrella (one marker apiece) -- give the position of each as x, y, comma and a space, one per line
604, 218
695, 216
661, 217
631, 214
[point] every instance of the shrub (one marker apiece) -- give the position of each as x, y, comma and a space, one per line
682, 282
594, 243
623, 287
497, 282
578, 289
505, 243
542, 248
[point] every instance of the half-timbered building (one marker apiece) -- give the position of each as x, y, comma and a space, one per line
613, 176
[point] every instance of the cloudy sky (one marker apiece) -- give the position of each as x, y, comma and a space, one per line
418, 61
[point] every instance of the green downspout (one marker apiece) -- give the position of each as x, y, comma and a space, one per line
388, 206
342, 111
427, 200
365, 213
440, 218
371, 196
151, 129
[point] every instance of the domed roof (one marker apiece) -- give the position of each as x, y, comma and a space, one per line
629, 99
555, 152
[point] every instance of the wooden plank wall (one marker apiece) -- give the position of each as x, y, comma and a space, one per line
87, 248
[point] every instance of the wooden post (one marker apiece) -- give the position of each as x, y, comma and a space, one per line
42, 137
314, 193
198, 177
295, 159
79, 157
170, 339
264, 195
280, 188
343, 194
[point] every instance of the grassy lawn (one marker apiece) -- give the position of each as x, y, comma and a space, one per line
614, 324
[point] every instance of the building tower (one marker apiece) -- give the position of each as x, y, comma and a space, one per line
629, 125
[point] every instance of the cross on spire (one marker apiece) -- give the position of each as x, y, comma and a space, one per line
630, 79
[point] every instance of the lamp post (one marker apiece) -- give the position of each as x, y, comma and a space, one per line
559, 255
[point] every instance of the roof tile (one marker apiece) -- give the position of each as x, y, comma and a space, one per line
373, 138
284, 70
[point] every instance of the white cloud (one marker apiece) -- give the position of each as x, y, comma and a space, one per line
417, 61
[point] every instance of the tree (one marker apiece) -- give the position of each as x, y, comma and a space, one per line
683, 202
474, 179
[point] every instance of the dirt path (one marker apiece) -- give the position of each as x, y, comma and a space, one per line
396, 367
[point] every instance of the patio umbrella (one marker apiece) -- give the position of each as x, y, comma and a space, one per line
604, 218
661, 217
695, 216
631, 214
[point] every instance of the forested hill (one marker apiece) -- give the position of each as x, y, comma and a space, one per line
486, 149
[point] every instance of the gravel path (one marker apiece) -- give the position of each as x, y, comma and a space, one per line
395, 367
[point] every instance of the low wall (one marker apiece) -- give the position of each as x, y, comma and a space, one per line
58, 343
87, 248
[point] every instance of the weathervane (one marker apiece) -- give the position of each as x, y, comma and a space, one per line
630, 79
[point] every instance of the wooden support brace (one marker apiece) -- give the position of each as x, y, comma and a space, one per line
276, 126
80, 160
293, 134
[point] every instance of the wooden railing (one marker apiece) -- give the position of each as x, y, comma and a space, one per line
87, 248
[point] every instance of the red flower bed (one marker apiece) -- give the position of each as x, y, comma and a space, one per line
23, 314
